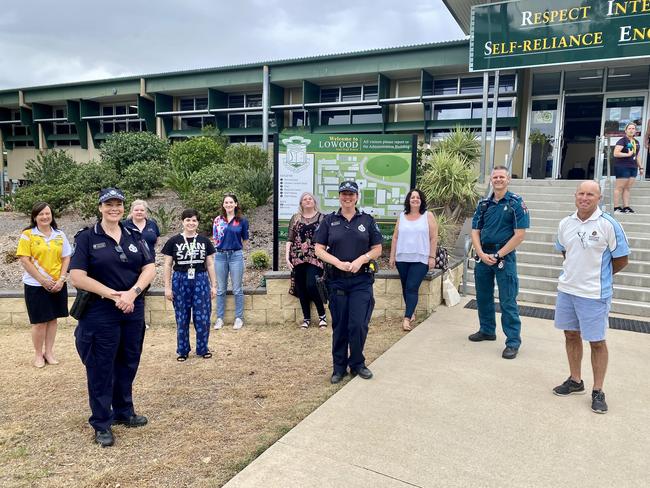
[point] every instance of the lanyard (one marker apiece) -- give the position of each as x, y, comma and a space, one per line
191, 249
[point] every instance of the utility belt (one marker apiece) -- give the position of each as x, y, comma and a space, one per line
333, 272
491, 248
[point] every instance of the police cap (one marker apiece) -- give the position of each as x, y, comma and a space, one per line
106, 194
350, 186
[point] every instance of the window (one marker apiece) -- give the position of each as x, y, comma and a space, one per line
250, 140
299, 118
546, 83
195, 121
473, 85
120, 118
470, 110
248, 119
63, 127
21, 130
344, 115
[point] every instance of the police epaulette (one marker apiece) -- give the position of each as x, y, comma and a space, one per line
81, 230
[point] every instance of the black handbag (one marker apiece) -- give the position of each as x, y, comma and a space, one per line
442, 258
81, 303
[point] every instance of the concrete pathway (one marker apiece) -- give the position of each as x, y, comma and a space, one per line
445, 412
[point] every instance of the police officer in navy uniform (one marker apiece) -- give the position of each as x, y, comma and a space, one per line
114, 264
348, 240
498, 227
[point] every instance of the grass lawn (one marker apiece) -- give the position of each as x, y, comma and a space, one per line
207, 418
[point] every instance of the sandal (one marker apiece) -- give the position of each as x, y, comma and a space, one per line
305, 323
181, 359
207, 355
406, 325
322, 322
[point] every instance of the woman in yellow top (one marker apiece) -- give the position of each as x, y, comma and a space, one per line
44, 252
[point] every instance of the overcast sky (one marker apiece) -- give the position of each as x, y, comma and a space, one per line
45, 42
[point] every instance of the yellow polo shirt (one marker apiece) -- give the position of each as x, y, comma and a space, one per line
46, 253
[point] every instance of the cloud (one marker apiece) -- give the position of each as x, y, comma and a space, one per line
43, 43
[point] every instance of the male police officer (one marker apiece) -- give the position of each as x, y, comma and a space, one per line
348, 240
594, 248
498, 227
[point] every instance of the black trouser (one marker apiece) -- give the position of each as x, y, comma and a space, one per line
305, 278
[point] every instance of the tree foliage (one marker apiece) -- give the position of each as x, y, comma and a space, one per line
122, 149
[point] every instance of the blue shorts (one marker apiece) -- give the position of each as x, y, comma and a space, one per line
589, 316
626, 171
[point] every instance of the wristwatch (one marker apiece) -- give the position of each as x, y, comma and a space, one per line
496, 255
137, 290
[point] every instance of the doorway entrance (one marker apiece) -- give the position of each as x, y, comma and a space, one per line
583, 115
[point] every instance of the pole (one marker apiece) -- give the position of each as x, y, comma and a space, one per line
486, 79
495, 109
276, 201
265, 108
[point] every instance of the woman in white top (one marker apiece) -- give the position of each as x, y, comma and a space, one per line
413, 249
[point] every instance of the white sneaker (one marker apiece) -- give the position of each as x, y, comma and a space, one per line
218, 324
239, 323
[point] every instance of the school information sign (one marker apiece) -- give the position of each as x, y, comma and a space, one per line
382, 165
529, 33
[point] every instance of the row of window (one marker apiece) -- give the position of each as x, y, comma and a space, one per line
472, 85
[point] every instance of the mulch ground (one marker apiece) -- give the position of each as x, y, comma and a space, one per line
207, 418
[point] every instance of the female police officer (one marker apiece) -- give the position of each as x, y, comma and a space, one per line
348, 240
114, 264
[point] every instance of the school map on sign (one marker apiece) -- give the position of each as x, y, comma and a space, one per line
383, 179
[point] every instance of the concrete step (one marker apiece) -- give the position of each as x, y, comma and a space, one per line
517, 182
635, 227
568, 207
552, 272
633, 266
622, 292
638, 199
628, 307
540, 211
539, 234
637, 254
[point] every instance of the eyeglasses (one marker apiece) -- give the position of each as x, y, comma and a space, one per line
583, 239
120, 251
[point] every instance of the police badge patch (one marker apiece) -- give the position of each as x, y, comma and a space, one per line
132, 248
361, 228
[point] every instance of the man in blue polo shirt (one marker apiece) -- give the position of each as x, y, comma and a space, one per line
595, 248
498, 227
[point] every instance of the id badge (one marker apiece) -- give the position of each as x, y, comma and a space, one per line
190, 274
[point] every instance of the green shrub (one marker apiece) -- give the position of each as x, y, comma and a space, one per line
208, 204
87, 206
142, 178
216, 176
257, 182
59, 197
260, 259
179, 181
121, 149
214, 133
95, 175
449, 184
51, 168
247, 157
196, 153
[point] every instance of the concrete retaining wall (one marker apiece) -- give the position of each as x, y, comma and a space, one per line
265, 306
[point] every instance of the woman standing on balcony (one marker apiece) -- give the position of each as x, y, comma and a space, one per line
413, 249
301, 259
627, 155
44, 252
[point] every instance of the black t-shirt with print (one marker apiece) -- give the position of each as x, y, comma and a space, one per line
191, 254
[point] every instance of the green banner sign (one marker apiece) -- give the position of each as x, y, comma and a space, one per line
527, 33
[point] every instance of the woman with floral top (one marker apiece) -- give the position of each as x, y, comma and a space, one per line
302, 261
230, 235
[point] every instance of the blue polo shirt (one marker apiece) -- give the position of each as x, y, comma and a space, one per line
497, 220
347, 240
229, 236
150, 233
96, 254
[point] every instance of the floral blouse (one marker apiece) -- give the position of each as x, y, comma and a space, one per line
301, 233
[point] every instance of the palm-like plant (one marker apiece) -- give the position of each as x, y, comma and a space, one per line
461, 141
450, 183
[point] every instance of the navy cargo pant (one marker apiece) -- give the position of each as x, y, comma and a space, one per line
351, 303
508, 283
109, 344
